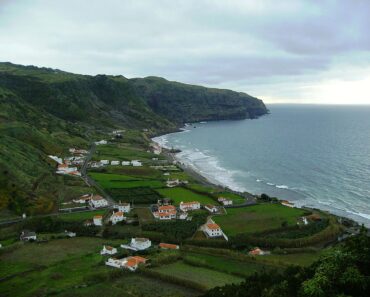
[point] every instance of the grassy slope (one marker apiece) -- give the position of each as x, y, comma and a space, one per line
209, 278
257, 218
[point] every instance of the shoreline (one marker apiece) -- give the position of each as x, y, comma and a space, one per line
207, 182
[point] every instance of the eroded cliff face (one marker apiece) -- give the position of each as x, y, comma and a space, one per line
188, 103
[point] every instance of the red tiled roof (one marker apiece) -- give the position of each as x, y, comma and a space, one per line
168, 246
165, 214
213, 226
167, 207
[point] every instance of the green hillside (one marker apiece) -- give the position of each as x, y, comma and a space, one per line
45, 111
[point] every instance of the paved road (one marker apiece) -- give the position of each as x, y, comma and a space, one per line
89, 181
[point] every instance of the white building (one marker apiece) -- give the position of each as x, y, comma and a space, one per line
183, 215
115, 163
126, 163
172, 183
123, 206
211, 208
130, 263
136, 163
56, 159
213, 230
104, 162
70, 233
98, 201
98, 220
101, 142
28, 235
225, 201
138, 244
83, 199
186, 206
108, 250
286, 203
166, 212
117, 217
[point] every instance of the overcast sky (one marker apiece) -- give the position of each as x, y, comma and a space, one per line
279, 51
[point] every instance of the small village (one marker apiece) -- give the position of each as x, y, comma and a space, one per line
143, 214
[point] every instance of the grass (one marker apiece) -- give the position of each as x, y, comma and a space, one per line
131, 285
204, 276
301, 259
145, 215
257, 218
81, 216
63, 267
117, 181
179, 194
122, 153
226, 265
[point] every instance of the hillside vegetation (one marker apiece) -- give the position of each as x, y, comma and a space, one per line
44, 111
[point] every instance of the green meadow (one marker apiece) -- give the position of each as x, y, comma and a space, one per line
257, 218
204, 276
179, 194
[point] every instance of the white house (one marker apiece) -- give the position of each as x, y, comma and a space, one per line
225, 201
136, 163
98, 220
123, 206
28, 235
167, 212
104, 162
56, 159
70, 233
138, 244
115, 163
286, 203
101, 142
126, 163
211, 208
64, 169
186, 206
183, 215
108, 250
130, 263
172, 183
83, 199
117, 217
213, 230
98, 201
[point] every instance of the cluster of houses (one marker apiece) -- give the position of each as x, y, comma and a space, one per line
69, 165
93, 200
163, 210
132, 263
102, 163
118, 215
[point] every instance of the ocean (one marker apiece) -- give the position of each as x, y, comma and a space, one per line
313, 155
